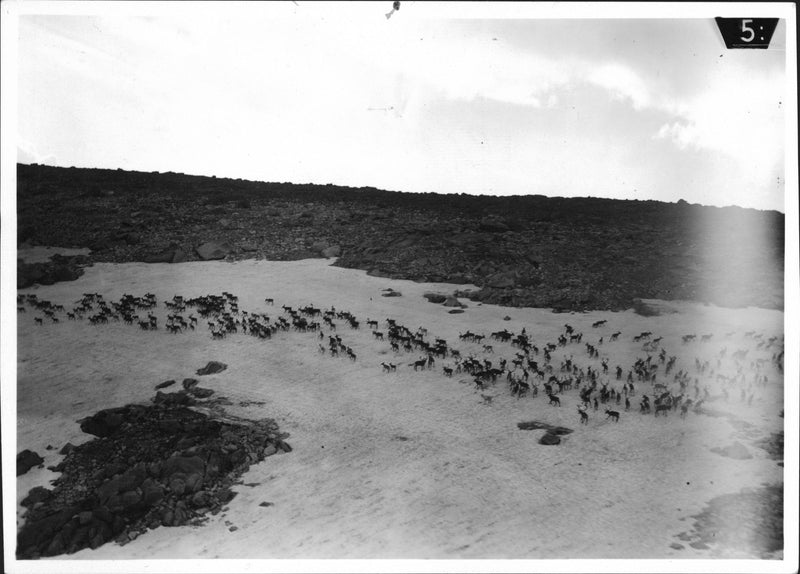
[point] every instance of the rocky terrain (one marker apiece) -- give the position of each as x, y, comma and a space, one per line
531, 251
150, 466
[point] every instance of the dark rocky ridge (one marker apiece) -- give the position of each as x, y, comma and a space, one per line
151, 465
59, 268
568, 254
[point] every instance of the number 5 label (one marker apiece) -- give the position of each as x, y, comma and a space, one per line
746, 29
747, 32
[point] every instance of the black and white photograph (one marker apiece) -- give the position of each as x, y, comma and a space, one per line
399, 286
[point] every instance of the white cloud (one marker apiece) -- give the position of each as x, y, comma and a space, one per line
742, 120
681, 134
622, 83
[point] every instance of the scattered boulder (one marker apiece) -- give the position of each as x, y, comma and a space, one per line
435, 297
189, 383
503, 280
212, 367
391, 293
66, 448
179, 256
536, 425
332, 251
26, 460
164, 256
165, 384
105, 423
455, 311
213, 250
453, 302
550, 438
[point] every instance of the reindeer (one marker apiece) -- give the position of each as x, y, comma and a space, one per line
584, 416
419, 364
554, 400
662, 408
613, 415
519, 387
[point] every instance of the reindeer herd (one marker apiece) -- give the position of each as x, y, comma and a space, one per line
588, 383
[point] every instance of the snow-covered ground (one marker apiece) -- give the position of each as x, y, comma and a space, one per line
410, 464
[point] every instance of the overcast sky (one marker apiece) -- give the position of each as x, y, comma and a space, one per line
638, 109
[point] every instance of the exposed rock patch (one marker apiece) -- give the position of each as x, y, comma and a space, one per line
550, 439
211, 368
153, 465
536, 425
435, 297
553, 434
60, 268
26, 460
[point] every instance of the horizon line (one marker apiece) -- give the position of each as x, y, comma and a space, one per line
369, 187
